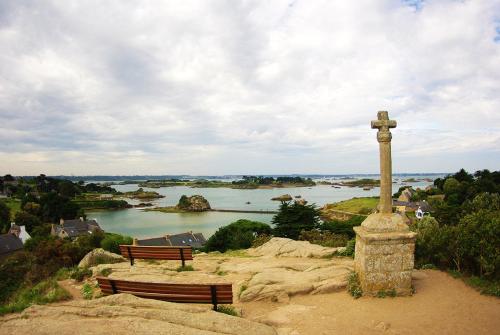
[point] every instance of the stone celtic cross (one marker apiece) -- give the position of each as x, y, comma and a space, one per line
383, 124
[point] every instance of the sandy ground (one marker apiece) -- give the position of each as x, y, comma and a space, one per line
441, 305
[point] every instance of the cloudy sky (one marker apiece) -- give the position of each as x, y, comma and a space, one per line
247, 87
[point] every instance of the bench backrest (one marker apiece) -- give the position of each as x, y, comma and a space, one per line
186, 293
146, 252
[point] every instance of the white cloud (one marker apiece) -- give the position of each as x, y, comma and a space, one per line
222, 87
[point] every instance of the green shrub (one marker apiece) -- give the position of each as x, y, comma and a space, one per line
354, 286
237, 235
111, 242
87, 291
349, 249
229, 310
343, 227
79, 274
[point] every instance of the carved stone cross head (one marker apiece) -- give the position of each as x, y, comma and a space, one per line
383, 124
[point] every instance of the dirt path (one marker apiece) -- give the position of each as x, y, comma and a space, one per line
70, 287
442, 305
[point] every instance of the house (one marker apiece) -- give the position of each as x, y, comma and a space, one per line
9, 244
75, 228
411, 206
195, 240
406, 195
19, 231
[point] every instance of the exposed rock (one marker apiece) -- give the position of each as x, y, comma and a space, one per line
302, 202
285, 247
284, 197
282, 316
126, 314
100, 256
194, 203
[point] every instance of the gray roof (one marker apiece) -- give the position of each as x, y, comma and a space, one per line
196, 240
154, 242
75, 228
9, 243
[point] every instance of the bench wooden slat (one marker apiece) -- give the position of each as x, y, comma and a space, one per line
186, 293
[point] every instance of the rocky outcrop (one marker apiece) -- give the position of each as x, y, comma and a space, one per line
126, 314
194, 203
285, 247
284, 197
100, 256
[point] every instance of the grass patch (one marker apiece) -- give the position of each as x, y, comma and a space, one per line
105, 272
242, 289
428, 266
355, 205
87, 291
354, 286
42, 293
390, 293
185, 268
484, 286
229, 310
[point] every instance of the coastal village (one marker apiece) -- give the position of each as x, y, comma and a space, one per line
266, 281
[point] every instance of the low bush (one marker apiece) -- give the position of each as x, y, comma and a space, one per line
87, 291
237, 235
342, 227
105, 272
79, 274
111, 242
354, 286
349, 249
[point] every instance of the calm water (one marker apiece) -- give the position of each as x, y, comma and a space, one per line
137, 223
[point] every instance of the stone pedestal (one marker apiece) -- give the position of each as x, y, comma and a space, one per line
384, 254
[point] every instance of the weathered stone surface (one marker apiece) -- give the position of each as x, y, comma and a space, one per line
100, 256
285, 247
194, 203
126, 314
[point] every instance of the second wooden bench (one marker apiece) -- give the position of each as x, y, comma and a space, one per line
162, 253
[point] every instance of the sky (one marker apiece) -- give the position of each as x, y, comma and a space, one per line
247, 87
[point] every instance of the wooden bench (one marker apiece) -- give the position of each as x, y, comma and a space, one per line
146, 252
184, 293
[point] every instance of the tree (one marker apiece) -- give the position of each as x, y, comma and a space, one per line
4, 217
28, 220
294, 218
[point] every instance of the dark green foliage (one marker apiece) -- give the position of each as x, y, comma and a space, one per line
237, 235
102, 204
29, 220
54, 207
105, 272
111, 242
343, 227
260, 240
293, 218
4, 218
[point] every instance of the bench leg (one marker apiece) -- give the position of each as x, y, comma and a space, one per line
213, 293
131, 261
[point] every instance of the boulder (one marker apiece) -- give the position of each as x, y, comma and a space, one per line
194, 203
284, 197
126, 314
285, 247
100, 256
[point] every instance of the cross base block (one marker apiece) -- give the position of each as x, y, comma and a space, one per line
384, 260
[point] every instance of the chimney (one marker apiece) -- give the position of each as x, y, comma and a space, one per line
12, 224
61, 222
135, 242
81, 218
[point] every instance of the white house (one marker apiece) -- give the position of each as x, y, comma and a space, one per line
19, 231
